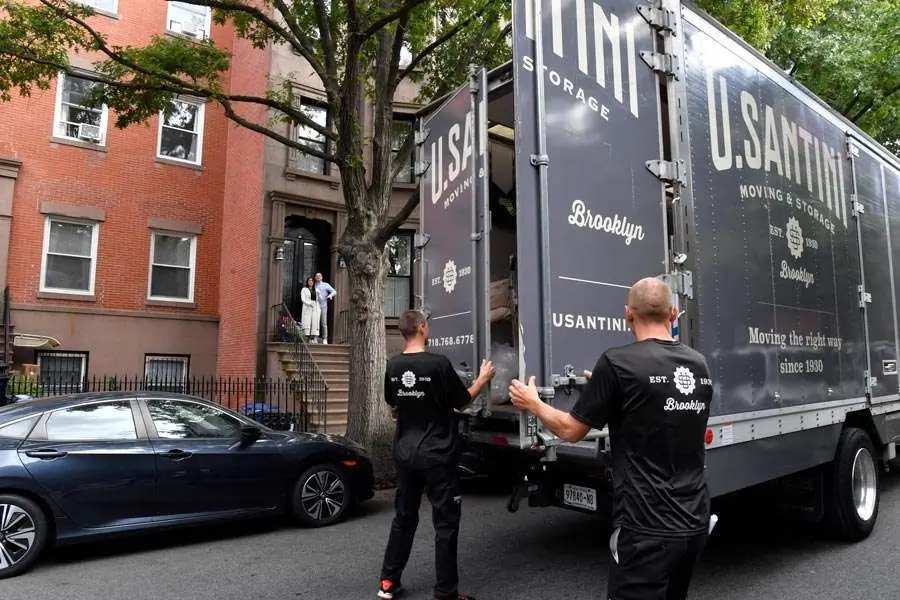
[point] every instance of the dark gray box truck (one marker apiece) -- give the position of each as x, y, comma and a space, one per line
629, 139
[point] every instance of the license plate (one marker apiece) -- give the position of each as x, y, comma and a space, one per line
579, 497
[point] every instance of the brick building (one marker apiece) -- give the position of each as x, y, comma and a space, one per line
169, 247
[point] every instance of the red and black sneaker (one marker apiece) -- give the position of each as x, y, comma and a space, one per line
388, 590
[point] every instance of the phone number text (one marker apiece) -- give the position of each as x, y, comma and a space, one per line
453, 340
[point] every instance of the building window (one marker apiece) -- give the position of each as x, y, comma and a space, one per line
188, 19
402, 129
166, 373
73, 118
110, 6
61, 372
172, 260
398, 289
69, 263
311, 138
181, 132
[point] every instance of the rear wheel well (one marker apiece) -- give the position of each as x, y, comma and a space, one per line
45, 508
862, 419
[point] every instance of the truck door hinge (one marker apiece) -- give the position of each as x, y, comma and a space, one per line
856, 207
681, 282
864, 296
852, 149
668, 171
870, 381
539, 160
658, 17
660, 62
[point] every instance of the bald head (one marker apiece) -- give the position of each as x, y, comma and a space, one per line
650, 301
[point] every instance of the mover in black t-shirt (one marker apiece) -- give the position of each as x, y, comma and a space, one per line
654, 395
424, 390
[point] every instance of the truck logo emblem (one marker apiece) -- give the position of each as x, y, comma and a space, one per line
794, 237
684, 380
408, 379
450, 276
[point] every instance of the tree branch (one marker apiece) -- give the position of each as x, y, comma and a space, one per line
440, 41
328, 48
394, 223
384, 21
871, 104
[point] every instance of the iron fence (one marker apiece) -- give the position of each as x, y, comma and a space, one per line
279, 403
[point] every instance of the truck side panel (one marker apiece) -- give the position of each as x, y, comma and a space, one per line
599, 224
775, 252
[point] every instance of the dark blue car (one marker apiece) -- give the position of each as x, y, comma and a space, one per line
86, 465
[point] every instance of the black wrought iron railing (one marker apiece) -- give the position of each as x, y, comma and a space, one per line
279, 403
302, 368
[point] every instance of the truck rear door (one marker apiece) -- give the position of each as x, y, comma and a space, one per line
447, 192
591, 214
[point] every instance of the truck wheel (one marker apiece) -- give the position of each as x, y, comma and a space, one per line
852, 494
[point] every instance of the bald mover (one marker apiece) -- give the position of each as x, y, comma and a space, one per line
654, 394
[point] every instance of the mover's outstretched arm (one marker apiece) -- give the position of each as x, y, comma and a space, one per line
562, 424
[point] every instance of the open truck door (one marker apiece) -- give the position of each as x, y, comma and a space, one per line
452, 154
591, 213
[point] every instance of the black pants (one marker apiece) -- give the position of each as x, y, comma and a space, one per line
653, 568
442, 485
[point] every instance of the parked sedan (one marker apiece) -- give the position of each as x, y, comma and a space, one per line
86, 465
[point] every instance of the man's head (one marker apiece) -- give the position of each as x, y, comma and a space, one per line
413, 324
318, 277
649, 306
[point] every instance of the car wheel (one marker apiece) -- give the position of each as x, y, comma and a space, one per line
23, 533
321, 496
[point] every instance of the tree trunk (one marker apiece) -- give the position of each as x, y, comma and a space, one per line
369, 418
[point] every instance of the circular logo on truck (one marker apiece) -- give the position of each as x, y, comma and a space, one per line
450, 276
684, 380
794, 237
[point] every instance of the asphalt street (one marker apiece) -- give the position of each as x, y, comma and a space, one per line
535, 553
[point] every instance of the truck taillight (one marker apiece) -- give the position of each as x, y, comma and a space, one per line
709, 437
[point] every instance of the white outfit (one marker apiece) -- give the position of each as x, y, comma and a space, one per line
309, 321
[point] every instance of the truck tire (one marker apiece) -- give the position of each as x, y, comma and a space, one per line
851, 487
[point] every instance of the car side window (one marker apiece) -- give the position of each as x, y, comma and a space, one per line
108, 421
18, 430
179, 420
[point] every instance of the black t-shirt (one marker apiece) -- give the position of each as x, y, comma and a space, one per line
425, 389
655, 397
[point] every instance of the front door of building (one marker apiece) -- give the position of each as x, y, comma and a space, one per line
306, 256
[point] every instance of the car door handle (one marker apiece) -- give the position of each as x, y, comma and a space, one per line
45, 453
177, 454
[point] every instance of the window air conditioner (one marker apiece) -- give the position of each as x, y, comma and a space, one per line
88, 132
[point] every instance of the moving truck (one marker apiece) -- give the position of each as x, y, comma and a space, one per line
628, 139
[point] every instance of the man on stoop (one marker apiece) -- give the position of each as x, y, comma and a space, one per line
424, 389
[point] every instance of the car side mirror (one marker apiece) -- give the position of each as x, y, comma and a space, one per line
249, 435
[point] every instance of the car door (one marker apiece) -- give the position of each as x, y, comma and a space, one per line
202, 467
95, 461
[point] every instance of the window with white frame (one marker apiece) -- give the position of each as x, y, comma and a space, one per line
69, 262
402, 129
188, 19
308, 136
110, 6
168, 373
172, 260
61, 372
74, 119
181, 132
398, 288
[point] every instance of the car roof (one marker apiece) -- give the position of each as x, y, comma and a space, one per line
39, 405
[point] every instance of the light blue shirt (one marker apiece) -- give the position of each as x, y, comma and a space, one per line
323, 290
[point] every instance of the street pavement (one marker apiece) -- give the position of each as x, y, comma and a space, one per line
535, 553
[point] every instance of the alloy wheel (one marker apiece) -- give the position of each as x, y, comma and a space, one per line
322, 495
17, 534
865, 484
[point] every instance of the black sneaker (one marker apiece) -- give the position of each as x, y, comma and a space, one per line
388, 590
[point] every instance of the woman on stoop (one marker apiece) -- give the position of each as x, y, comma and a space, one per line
309, 321
424, 389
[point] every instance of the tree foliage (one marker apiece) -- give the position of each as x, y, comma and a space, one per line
842, 50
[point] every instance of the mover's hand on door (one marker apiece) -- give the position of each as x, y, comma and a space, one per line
524, 396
